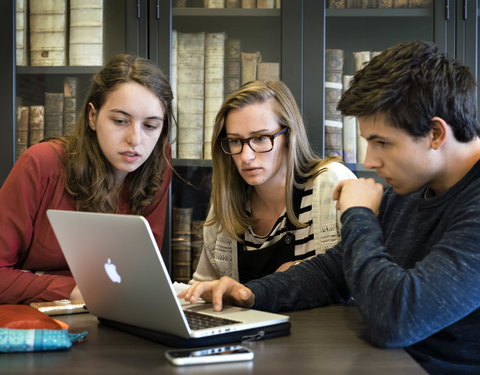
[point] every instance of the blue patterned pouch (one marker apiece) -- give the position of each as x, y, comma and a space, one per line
25, 329
30, 340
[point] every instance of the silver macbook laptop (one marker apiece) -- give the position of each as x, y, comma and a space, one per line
121, 274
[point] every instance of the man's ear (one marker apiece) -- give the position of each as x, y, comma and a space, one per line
92, 115
439, 132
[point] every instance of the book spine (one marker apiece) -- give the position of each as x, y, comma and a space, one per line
86, 32
22, 129
333, 120
268, 71
214, 85
233, 65
369, 4
181, 244
47, 32
349, 130
233, 4
419, 3
53, 114
179, 3
21, 33
360, 59
385, 3
265, 4
196, 242
190, 89
353, 3
333, 91
214, 4
69, 104
249, 3
250, 61
36, 124
336, 4
400, 3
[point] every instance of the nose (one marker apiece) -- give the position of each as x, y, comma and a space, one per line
247, 154
371, 160
134, 135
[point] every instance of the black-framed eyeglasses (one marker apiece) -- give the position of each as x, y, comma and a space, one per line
259, 143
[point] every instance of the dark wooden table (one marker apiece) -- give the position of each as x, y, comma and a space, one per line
326, 340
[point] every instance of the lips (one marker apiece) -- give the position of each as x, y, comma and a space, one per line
246, 170
130, 153
130, 156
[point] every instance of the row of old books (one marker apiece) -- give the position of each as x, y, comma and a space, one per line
47, 36
53, 118
187, 243
206, 67
260, 4
342, 137
379, 3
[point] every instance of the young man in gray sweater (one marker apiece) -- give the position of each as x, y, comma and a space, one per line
410, 256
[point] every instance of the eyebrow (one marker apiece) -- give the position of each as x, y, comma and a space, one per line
376, 136
129, 115
251, 133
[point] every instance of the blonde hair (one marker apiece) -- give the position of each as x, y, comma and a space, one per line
229, 190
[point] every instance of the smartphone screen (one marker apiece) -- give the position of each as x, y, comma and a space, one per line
220, 354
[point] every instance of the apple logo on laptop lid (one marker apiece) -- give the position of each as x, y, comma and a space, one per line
111, 270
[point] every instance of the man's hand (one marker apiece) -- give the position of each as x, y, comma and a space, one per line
219, 291
364, 192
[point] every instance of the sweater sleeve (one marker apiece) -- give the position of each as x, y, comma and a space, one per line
23, 197
326, 218
206, 270
316, 282
405, 305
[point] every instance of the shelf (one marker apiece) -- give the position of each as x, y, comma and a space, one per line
192, 163
58, 69
225, 12
398, 12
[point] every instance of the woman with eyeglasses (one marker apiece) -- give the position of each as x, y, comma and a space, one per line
271, 203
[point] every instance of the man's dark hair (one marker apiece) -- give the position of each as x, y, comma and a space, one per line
410, 83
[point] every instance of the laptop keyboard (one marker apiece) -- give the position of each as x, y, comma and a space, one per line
199, 321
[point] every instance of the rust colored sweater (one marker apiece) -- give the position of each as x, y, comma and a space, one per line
32, 266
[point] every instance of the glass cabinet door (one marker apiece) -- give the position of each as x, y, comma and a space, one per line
59, 45
355, 32
216, 47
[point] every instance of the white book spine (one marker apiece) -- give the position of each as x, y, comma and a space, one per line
47, 32
214, 3
214, 73
250, 61
21, 32
86, 32
349, 131
360, 59
190, 89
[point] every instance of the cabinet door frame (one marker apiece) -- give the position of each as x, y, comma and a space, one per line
7, 90
314, 40
136, 38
